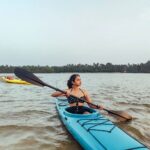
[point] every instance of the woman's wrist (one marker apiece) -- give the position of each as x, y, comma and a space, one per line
100, 107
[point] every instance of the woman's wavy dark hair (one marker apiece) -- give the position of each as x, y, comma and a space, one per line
72, 79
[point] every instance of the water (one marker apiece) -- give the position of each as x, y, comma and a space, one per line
29, 120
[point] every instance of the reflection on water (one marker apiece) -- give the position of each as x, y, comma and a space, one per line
29, 120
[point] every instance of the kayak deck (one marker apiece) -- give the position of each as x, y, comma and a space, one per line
95, 132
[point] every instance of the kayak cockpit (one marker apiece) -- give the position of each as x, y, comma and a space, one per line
64, 107
93, 113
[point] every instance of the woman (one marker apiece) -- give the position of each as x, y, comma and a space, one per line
74, 89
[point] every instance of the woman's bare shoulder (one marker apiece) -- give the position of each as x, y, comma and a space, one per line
67, 90
85, 91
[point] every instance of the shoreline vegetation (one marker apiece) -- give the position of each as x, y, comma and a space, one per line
83, 68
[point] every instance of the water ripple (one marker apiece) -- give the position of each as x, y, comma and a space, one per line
29, 120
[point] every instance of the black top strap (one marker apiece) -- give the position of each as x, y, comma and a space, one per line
82, 92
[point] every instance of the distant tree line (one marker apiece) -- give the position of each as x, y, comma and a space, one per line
95, 67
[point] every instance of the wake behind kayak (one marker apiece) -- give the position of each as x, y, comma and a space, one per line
95, 132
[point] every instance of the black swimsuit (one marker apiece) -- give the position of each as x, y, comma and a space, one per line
72, 100
77, 109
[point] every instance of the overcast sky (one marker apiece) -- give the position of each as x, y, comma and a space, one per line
59, 32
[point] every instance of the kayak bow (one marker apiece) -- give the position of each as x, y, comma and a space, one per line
95, 132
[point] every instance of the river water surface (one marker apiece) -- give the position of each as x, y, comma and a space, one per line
29, 120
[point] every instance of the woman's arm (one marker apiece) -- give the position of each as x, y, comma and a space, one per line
57, 94
88, 99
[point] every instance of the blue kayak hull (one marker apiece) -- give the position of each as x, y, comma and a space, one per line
95, 132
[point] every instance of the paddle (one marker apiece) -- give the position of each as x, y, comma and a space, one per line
31, 78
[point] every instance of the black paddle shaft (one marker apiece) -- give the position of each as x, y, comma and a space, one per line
31, 78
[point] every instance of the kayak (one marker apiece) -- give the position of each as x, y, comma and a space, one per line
95, 132
15, 81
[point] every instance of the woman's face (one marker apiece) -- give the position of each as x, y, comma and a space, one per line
77, 81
